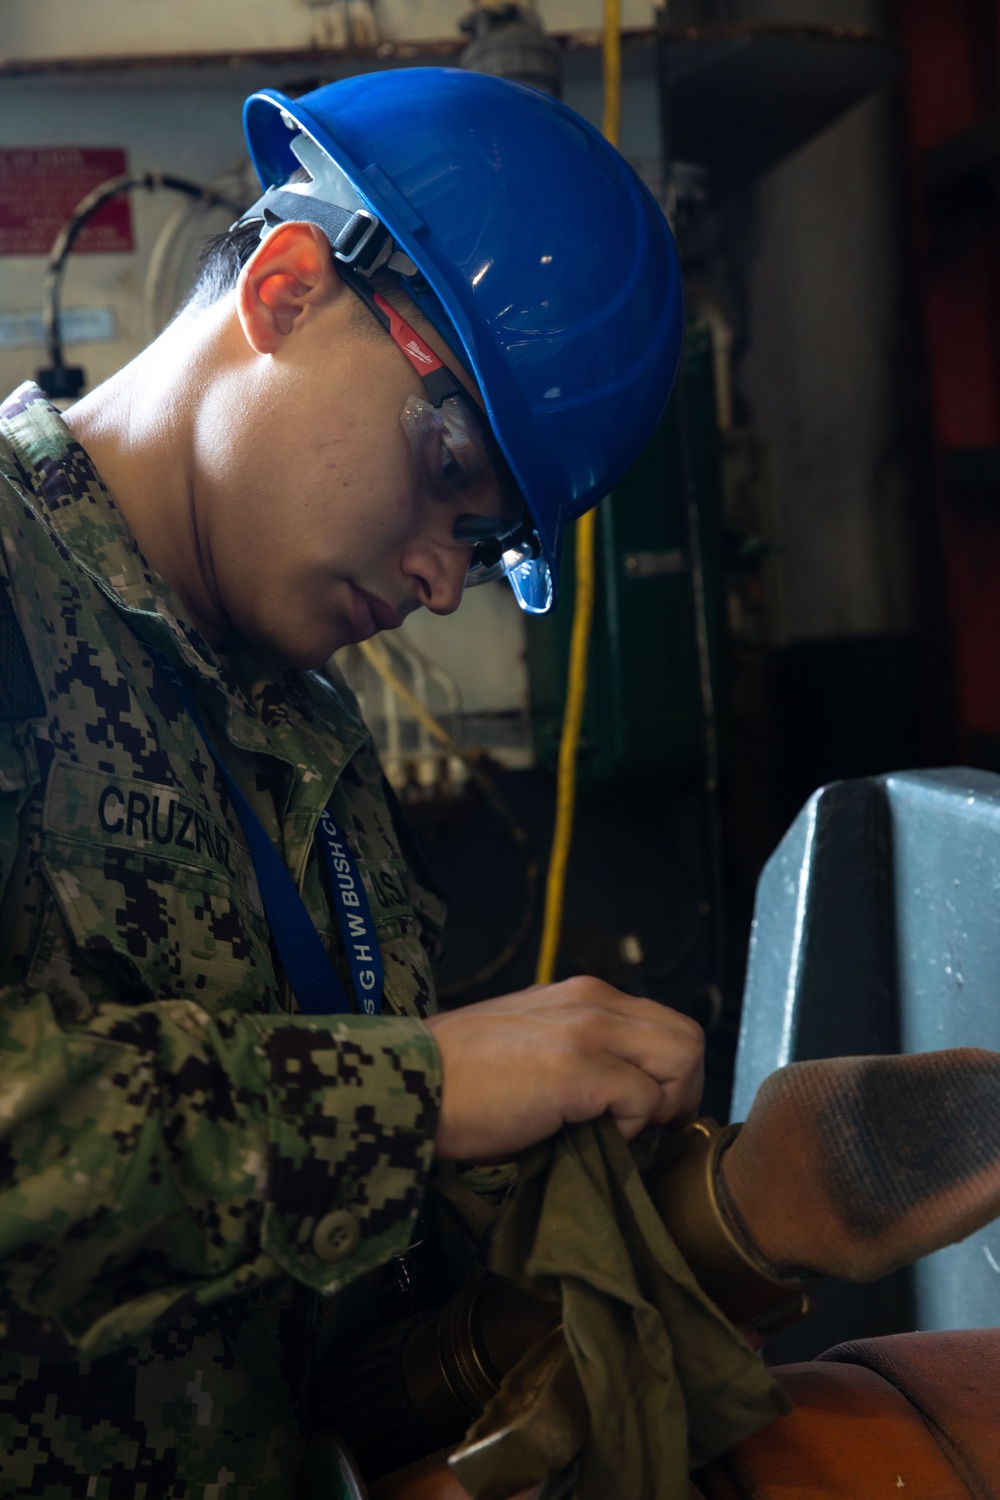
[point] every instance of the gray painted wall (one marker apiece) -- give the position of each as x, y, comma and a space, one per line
820, 377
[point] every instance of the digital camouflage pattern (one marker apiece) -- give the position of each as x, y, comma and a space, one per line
172, 1135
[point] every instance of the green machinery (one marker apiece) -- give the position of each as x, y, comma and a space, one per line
653, 695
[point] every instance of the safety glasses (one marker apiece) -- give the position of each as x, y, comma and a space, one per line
448, 432
454, 446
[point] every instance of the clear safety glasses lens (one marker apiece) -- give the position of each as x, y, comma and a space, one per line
456, 465
497, 558
460, 460
518, 559
532, 585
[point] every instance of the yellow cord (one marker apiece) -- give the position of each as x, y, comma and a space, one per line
576, 692
612, 70
586, 528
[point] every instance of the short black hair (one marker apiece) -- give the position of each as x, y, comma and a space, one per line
220, 261
223, 256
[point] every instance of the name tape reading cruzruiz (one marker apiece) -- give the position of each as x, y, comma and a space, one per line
164, 820
357, 927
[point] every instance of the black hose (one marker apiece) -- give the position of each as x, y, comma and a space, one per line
85, 210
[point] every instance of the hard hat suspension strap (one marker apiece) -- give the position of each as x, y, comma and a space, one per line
357, 238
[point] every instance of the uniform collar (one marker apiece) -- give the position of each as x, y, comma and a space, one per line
79, 510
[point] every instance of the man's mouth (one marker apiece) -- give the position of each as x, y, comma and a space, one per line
372, 614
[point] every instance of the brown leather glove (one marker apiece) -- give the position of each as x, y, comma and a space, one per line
853, 1166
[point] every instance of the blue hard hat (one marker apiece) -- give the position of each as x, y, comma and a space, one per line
551, 260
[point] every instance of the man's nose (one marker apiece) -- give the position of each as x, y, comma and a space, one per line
439, 573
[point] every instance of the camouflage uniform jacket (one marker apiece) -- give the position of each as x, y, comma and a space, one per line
188, 1167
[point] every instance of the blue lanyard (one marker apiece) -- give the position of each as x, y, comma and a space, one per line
353, 913
313, 980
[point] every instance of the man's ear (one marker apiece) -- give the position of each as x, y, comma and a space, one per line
289, 273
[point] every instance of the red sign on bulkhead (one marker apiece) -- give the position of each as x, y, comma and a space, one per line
40, 186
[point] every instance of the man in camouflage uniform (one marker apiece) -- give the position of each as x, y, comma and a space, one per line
191, 1169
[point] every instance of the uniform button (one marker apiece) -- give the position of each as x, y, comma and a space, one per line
336, 1235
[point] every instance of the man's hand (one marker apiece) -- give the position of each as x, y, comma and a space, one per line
516, 1069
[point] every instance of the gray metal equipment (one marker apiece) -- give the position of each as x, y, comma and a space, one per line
876, 930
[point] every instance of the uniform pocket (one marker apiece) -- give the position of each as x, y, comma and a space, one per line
152, 890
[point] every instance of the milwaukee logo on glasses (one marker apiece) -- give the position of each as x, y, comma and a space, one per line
418, 351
